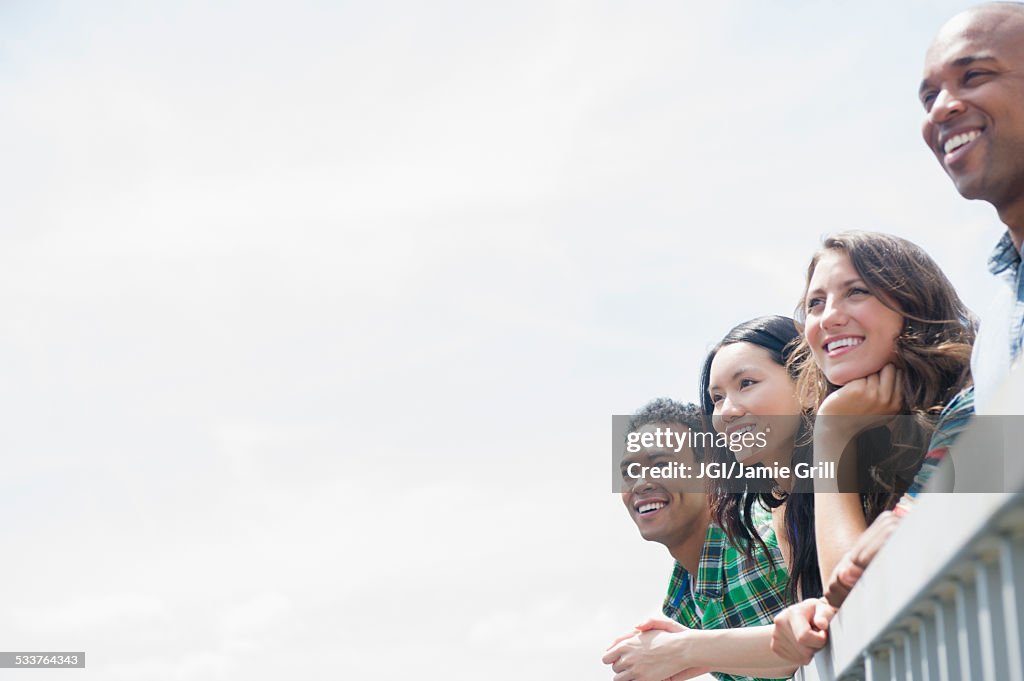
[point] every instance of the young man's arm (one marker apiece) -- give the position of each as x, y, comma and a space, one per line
657, 654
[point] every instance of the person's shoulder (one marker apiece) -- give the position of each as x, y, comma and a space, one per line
954, 417
763, 521
961, 405
763, 561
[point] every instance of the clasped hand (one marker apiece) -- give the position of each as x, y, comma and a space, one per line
651, 652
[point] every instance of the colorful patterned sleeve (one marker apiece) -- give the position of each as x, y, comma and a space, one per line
952, 421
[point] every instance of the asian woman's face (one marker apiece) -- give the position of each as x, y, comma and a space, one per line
752, 393
851, 332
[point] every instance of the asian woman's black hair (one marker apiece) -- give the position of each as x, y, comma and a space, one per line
731, 510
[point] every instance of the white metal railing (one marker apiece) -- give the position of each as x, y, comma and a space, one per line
944, 599
964, 553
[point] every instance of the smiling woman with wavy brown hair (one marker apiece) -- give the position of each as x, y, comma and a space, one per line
884, 334
934, 345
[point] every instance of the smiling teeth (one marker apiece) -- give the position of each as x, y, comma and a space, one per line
653, 506
842, 343
957, 141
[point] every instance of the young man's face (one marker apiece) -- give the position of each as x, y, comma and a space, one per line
973, 95
662, 511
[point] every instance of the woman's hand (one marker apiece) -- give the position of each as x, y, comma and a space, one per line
801, 630
873, 397
861, 404
852, 565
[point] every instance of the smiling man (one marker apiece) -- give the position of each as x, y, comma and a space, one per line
973, 96
655, 501
714, 584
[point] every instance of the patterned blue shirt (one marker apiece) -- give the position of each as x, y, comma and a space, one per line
953, 420
1001, 333
1005, 264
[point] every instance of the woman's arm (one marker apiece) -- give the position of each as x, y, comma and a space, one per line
838, 516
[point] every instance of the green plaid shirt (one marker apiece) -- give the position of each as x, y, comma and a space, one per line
731, 591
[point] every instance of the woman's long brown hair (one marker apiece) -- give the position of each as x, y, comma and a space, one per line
933, 350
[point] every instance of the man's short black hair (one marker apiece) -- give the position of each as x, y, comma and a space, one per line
664, 410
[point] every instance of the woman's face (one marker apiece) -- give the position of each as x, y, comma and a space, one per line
752, 393
851, 333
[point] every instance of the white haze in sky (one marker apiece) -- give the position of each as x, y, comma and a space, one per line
314, 314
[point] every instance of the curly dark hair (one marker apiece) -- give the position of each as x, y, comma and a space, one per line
665, 410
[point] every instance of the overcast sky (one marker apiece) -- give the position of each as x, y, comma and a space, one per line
314, 314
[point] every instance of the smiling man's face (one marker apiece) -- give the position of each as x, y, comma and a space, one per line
662, 511
973, 95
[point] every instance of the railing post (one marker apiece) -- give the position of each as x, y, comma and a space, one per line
1011, 568
876, 665
929, 655
912, 644
990, 621
897, 662
966, 600
947, 654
